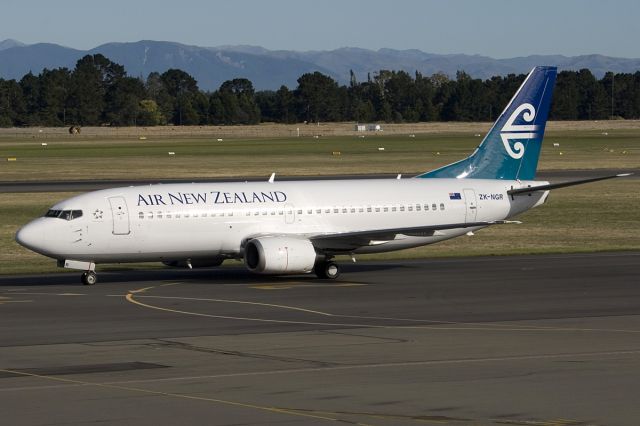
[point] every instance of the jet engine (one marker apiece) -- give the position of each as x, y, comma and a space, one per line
279, 255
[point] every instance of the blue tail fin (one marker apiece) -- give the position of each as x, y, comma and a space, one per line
512, 147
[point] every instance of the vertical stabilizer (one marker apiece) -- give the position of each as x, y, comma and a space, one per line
511, 148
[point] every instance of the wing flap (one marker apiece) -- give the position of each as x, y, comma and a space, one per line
346, 241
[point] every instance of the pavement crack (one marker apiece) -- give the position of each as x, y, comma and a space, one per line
228, 352
384, 339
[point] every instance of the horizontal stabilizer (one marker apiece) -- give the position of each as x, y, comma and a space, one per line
520, 191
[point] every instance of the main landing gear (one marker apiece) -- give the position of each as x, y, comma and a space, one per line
89, 278
327, 269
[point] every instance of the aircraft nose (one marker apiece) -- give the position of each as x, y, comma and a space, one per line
31, 236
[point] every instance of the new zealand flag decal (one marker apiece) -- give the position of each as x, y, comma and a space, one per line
455, 196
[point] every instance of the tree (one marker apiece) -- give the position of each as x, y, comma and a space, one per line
149, 114
92, 77
122, 101
285, 105
12, 104
239, 102
266, 102
54, 91
182, 89
318, 98
157, 92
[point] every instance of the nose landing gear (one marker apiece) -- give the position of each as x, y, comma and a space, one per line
89, 278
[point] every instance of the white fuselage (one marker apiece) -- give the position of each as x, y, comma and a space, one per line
171, 222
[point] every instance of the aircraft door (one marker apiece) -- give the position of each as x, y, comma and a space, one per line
120, 215
471, 204
289, 213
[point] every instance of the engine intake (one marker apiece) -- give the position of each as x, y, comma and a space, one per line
279, 255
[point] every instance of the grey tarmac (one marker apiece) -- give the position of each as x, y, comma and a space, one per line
516, 340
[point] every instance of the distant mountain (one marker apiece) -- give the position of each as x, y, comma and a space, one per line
9, 43
269, 69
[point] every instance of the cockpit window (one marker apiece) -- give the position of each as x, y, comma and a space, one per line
53, 213
64, 214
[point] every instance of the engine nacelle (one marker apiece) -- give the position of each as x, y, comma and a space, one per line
279, 255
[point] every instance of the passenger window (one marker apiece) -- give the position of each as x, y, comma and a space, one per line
410, 208
417, 207
186, 215
141, 215
386, 209
318, 211
393, 209
368, 209
150, 215
401, 208
353, 210
434, 207
159, 215
441, 206
273, 212
327, 210
204, 214
377, 209
280, 212
344, 210
168, 215
336, 210
300, 211
360, 210
426, 207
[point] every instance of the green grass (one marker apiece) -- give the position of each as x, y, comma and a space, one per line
67, 158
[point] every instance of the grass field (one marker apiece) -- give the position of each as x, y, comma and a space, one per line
70, 158
596, 217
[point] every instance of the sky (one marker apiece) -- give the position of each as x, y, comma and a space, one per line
495, 28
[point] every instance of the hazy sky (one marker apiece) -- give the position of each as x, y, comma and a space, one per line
497, 28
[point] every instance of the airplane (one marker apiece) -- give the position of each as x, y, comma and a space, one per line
297, 227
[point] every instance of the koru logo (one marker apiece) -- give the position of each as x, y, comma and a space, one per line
512, 131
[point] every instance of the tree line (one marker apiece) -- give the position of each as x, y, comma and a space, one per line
99, 92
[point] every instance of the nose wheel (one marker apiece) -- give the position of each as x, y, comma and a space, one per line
89, 278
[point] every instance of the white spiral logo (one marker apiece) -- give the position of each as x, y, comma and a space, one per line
512, 131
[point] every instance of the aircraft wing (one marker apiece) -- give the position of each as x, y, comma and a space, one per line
346, 241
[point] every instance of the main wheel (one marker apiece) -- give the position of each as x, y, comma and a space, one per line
327, 270
89, 278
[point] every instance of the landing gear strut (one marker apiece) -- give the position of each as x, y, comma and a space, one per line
89, 278
327, 269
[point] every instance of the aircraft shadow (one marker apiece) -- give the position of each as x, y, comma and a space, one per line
209, 276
